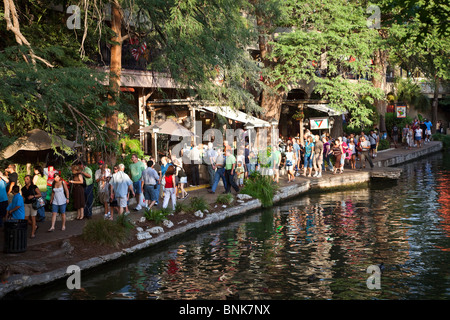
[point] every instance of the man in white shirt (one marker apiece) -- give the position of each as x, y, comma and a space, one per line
120, 184
364, 151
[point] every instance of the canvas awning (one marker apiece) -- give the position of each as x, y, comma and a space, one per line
236, 115
325, 108
171, 127
35, 140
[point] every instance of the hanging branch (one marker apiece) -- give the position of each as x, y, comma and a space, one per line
12, 24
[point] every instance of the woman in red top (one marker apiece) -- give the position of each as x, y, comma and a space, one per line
170, 188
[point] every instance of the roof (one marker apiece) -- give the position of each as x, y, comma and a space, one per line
35, 140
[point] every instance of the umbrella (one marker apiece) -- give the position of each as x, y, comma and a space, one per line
35, 141
171, 127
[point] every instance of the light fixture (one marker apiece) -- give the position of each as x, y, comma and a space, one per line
274, 122
249, 126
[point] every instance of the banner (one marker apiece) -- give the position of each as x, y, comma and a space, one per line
318, 123
400, 111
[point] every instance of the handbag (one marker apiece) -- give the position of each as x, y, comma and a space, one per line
38, 203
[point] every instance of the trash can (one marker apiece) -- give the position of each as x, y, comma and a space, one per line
15, 235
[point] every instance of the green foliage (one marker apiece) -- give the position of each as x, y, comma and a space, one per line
198, 203
444, 138
107, 232
156, 215
390, 119
225, 199
260, 187
181, 207
411, 94
130, 146
329, 45
202, 45
383, 144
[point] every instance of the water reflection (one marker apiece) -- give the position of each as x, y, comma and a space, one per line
315, 247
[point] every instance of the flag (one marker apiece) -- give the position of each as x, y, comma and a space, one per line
136, 52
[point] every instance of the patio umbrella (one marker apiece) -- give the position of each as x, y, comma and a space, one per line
170, 127
36, 143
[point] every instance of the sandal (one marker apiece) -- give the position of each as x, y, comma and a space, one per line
51, 230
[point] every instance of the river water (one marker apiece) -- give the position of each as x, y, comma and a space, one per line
317, 246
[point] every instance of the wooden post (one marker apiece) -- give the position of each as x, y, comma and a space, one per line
302, 139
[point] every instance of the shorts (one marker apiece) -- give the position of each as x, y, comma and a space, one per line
418, 138
29, 211
318, 160
289, 168
137, 187
151, 192
309, 161
428, 132
122, 202
103, 197
373, 146
183, 180
59, 208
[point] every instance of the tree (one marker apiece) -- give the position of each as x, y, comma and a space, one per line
329, 44
45, 83
421, 47
203, 46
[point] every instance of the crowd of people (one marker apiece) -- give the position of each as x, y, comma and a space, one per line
414, 134
149, 181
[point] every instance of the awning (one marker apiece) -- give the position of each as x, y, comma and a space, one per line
34, 141
236, 115
170, 127
325, 108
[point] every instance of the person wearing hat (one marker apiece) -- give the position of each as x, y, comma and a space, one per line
102, 176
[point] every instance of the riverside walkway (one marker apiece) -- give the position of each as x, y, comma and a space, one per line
33, 266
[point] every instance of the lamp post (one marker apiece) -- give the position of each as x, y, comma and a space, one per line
331, 124
155, 133
249, 127
273, 123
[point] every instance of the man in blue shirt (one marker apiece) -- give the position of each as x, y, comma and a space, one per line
16, 208
296, 148
428, 124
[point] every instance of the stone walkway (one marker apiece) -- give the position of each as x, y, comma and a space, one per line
301, 184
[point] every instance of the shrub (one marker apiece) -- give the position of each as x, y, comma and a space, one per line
181, 207
444, 138
108, 232
198, 203
383, 144
260, 187
156, 215
225, 198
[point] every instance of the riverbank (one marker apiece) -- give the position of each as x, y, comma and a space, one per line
49, 254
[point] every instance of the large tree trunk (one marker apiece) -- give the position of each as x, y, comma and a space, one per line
115, 72
379, 81
434, 106
271, 100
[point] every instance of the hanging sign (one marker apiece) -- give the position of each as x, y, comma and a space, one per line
318, 123
400, 111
